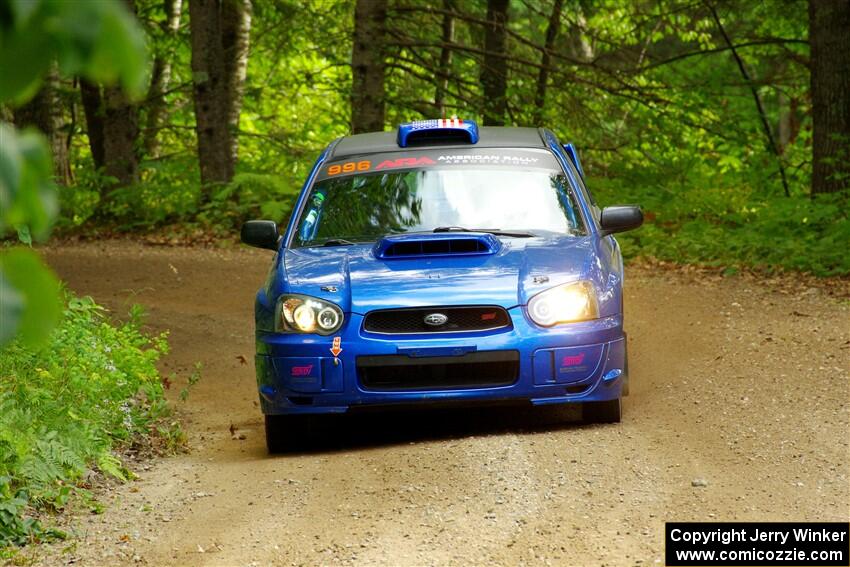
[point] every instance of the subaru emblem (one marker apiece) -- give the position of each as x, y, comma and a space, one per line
435, 319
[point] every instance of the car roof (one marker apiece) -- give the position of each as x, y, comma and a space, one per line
489, 137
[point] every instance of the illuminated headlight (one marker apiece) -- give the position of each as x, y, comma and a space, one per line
305, 314
564, 304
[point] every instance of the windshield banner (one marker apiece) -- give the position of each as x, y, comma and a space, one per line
396, 161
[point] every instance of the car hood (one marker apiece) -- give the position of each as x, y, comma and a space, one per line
358, 281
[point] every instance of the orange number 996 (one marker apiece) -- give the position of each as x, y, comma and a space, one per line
349, 167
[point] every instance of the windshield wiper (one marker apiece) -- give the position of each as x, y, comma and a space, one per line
493, 231
337, 242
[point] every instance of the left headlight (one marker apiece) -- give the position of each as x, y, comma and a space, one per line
305, 314
568, 303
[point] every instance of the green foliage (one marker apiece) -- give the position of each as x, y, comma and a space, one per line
731, 228
194, 378
65, 407
79, 203
648, 91
29, 302
27, 196
168, 195
30, 306
250, 195
168, 191
99, 40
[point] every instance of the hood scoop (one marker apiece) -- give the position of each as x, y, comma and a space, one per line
440, 244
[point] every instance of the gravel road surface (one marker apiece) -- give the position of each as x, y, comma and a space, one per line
738, 411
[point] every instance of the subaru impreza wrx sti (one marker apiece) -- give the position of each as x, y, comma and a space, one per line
442, 263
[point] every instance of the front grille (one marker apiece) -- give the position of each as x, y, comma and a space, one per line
473, 370
457, 319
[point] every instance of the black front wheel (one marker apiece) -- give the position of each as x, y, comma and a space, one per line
608, 411
626, 366
277, 433
286, 433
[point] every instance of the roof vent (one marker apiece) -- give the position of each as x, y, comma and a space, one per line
419, 245
442, 130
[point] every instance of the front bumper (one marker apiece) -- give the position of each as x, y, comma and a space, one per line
571, 363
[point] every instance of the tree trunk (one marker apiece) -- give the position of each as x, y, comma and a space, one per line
494, 72
93, 109
444, 71
112, 124
160, 79
210, 94
235, 38
44, 112
368, 66
546, 60
829, 37
120, 131
112, 127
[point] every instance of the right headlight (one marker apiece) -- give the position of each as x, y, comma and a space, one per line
567, 303
305, 314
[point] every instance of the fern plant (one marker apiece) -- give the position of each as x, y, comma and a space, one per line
66, 407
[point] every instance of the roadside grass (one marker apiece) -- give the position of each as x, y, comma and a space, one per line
168, 199
68, 409
736, 229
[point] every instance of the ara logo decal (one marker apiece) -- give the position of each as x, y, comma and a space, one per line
488, 316
573, 360
302, 370
404, 162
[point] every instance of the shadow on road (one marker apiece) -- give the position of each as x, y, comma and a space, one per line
370, 429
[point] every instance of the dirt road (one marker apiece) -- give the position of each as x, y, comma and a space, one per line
738, 411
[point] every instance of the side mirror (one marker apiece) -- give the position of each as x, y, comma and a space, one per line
261, 234
620, 218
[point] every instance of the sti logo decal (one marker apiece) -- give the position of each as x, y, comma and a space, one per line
574, 360
404, 162
302, 370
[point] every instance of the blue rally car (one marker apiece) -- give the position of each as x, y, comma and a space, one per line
442, 262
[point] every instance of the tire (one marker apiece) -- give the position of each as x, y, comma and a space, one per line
608, 411
284, 433
625, 389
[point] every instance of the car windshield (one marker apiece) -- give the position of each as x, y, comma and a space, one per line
510, 192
